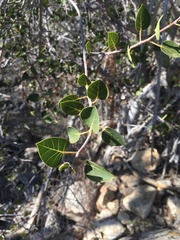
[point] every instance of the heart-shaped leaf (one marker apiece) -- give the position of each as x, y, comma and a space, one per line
83, 80
70, 104
157, 29
113, 39
51, 150
73, 134
90, 117
69, 97
98, 89
112, 138
171, 49
143, 18
97, 173
71, 107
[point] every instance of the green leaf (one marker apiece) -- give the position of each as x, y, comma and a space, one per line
143, 19
73, 134
70, 104
157, 29
90, 117
98, 89
66, 165
69, 97
113, 39
71, 107
83, 80
33, 97
88, 47
51, 150
97, 173
112, 138
171, 49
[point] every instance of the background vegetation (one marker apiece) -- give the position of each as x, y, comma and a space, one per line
41, 60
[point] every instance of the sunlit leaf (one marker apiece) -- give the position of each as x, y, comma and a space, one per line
143, 19
97, 173
88, 47
83, 80
65, 166
98, 89
90, 117
171, 49
113, 39
157, 29
51, 150
73, 134
112, 137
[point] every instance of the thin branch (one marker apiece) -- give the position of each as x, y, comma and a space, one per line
109, 53
150, 38
84, 144
82, 36
85, 71
40, 24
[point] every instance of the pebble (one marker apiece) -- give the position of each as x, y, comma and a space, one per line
142, 160
123, 217
164, 234
107, 229
173, 203
140, 200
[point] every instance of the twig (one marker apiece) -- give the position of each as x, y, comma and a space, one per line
153, 182
85, 69
32, 217
82, 36
150, 38
109, 53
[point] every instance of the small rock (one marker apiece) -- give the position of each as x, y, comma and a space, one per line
77, 200
107, 194
130, 180
125, 190
113, 206
160, 221
169, 221
123, 217
177, 224
105, 213
126, 238
173, 203
164, 234
52, 219
140, 200
142, 160
30, 152
106, 230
